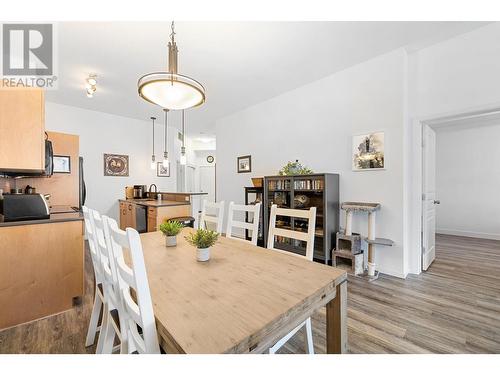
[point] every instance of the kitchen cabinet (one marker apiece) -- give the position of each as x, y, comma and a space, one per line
127, 215
41, 270
152, 220
22, 128
156, 212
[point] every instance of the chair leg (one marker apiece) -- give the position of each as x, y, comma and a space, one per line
109, 337
104, 327
309, 337
94, 320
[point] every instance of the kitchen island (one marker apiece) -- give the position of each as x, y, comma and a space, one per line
41, 267
146, 215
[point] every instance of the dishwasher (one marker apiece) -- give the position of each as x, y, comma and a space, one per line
141, 218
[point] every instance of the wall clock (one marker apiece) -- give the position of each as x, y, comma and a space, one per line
210, 159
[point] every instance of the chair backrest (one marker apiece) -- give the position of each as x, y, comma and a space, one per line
92, 240
254, 209
307, 237
138, 312
216, 220
106, 262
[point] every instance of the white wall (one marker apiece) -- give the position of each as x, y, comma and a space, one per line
314, 124
104, 133
456, 76
468, 181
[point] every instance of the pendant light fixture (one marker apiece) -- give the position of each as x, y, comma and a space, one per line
153, 161
170, 89
183, 159
165, 152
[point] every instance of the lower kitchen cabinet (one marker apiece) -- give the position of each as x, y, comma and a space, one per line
41, 270
155, 213
127, 215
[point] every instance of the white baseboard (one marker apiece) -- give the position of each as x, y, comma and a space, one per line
453, 232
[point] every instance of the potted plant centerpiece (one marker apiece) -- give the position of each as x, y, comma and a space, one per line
170, 229
203, 240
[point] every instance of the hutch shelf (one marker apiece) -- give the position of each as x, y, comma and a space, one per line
302, 192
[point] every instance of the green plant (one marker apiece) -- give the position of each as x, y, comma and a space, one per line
171, 228
293, 168
202, 238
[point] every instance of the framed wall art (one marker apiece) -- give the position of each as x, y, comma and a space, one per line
62, 164
116, 165
162, 171
368, 152
244, 164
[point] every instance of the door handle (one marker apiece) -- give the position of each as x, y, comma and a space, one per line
437, 202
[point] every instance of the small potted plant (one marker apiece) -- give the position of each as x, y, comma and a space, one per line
203, 240
170, 229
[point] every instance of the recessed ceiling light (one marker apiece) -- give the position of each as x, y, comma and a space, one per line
90, 85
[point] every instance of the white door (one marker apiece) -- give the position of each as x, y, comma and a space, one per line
429, 197
190, 178
181, 177
207, 182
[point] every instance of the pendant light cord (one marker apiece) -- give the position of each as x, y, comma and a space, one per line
166, 131
153, 118
183, 128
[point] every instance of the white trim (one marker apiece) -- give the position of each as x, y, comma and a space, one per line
415, 153
463, 233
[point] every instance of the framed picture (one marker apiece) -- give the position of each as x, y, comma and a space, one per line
244, 164
162, 171
368, 152
115, 165
62, 164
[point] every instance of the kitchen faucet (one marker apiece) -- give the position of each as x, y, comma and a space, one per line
156, 188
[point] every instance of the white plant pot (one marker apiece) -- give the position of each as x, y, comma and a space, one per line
202, 255
171, 241
371, 269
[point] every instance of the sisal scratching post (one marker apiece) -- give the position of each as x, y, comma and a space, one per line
348, 223
371, 250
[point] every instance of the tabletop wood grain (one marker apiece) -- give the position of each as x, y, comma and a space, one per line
242, 300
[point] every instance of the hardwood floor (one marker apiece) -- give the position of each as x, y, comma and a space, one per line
454, 307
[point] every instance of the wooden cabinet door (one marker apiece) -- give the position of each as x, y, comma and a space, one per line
131, 215
123, 215
152, 225
22, 127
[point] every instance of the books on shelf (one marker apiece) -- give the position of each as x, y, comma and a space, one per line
312, 184
279, 185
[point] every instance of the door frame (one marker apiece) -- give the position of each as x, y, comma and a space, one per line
415, 216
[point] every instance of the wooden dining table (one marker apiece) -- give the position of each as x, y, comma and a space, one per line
243, 300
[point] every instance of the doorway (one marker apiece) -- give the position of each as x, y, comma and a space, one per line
207, 182
459, 168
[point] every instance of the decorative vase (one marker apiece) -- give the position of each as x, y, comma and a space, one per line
170, 241
202, 255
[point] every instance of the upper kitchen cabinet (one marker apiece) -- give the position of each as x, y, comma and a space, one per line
22, 127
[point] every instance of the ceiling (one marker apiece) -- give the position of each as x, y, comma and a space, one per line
239, 63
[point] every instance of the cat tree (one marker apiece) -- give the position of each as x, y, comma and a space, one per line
349, 244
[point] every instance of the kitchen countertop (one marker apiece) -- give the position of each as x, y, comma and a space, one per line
54, 218
155, 202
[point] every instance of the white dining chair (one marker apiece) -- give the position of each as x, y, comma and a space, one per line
94, 326
112, 320
212, 213
138, 312
253, 209
308, 237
